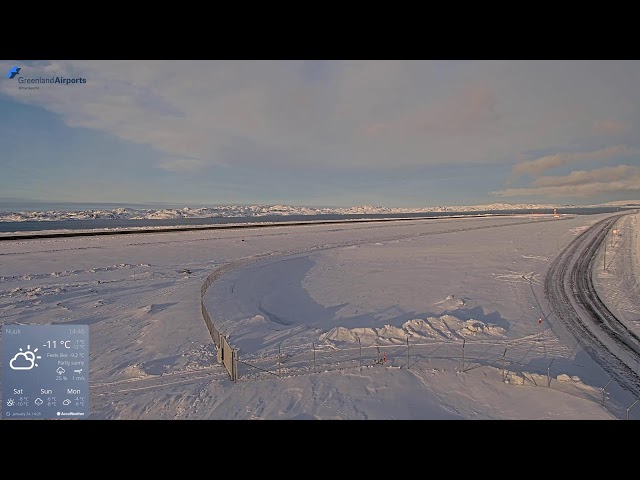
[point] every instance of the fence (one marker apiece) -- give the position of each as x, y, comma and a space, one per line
224, 351
226, 355
458, 353
507, 357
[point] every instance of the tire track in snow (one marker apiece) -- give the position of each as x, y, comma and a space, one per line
576, 305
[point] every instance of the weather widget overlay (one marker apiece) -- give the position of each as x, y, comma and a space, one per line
45, 371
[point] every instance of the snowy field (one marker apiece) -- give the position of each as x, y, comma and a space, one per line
458, 301
617, 273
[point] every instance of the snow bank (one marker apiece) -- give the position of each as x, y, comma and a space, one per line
433, 328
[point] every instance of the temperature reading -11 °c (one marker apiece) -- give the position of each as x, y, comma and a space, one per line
60, 343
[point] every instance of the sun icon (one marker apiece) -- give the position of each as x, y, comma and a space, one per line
24, 360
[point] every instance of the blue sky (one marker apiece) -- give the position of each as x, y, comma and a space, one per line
322, 133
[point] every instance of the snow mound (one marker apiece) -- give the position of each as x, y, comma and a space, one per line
563, 377
515, 379
346, 335
257, 320
145, 309
433, 328
474, 327
393, 334
134, 371
452, 302
34, 291
148, 310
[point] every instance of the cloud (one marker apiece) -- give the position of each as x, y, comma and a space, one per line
337, 115
580, 177
466, 111
181, 164
537, 166
291, 114
581, 183
609, 127
27, 363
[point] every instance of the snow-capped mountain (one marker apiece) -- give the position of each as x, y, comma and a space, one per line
247, 211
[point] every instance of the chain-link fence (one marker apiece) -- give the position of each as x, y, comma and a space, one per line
522, 361
512, 358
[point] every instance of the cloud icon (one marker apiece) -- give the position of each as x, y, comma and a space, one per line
24, 360
27, 364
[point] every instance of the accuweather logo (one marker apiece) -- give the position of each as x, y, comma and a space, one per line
33, 83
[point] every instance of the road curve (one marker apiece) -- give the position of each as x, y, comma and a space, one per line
573, 300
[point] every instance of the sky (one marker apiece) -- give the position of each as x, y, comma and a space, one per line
321, 133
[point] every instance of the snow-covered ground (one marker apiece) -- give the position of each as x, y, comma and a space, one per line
446, 287
617, 273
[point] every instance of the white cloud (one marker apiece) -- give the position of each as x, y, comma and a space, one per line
388, 114
536, 166
581, 183
580, 177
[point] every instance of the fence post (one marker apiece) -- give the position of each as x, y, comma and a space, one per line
314, 356
613, 230
549, 373
278, 360
235, 365
503, 373
463, 341
407, 353
360, 346
603, 391
611, 234
631, 408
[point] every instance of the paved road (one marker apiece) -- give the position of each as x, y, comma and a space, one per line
574, 302
132, 231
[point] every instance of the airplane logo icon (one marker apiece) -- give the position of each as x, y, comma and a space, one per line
13, 72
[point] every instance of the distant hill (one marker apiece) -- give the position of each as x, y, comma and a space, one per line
621, 203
